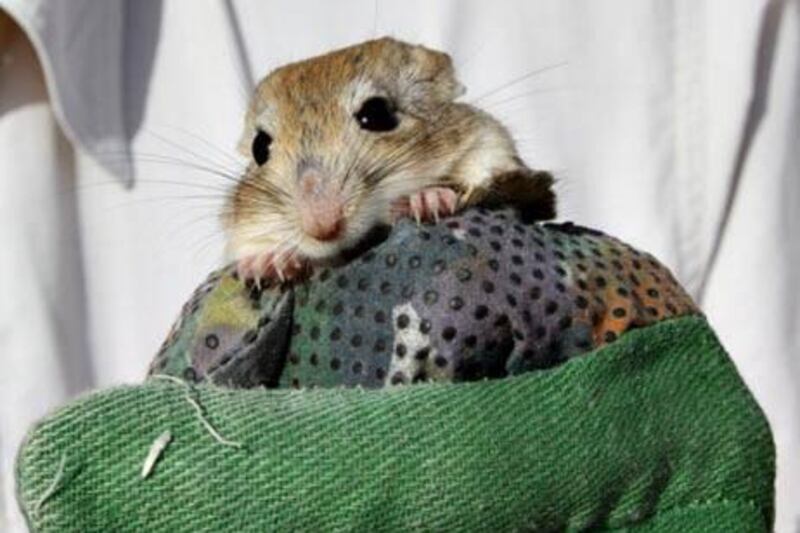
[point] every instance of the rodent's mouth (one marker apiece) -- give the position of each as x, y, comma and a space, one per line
348, 246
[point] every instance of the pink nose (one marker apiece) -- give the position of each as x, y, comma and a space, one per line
320, 208
322, 221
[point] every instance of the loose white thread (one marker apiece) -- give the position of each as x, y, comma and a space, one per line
156, 449
201, 415
53, 487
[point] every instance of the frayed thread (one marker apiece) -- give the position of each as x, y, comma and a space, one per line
55, 484
200, 412
156, 449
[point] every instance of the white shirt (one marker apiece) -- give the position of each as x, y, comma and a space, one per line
643, 116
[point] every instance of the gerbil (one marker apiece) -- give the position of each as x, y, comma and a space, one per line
355, 138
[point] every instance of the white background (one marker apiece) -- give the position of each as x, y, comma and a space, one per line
652, 114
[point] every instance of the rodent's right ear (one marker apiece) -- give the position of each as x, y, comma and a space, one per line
435, 69
426, 77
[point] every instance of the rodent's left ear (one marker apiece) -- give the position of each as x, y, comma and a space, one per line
435, 70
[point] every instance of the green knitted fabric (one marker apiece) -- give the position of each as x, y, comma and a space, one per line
654, 432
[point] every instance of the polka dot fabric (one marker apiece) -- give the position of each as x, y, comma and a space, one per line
480, 295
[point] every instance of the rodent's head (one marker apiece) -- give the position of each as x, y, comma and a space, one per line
335, 139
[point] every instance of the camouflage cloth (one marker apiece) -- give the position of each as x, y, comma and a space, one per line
483, 294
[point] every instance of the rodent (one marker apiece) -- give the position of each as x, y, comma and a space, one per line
352, 139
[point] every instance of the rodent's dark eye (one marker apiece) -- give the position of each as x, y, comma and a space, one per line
260, 147
377, 114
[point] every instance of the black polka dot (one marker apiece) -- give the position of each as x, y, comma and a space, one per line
357, 367
550, 307
565, 322
336, 334
430, 297
538, 274
517, 260
470, 341
314, 333
425, 326
515, 279
581, 302
337, 308
402, 321
363, 284
380, 317
414, 261
335, 363
619, 312
449, 333
386, 287
314, 359
422, 354
356, 341
501, 321
190, 374
380, 373
398, 378
341, 282
481, 312
212, 341
487, 286
440, 361
652, 293
511, 299
609, 336
494, 264
400, 349
380, 345
463, 274
456, 303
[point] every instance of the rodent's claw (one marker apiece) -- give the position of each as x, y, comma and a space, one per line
267, 266
427, 205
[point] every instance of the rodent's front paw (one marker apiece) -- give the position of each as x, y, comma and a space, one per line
427, 205
271, 265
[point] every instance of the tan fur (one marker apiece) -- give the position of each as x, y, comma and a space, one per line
308, 107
